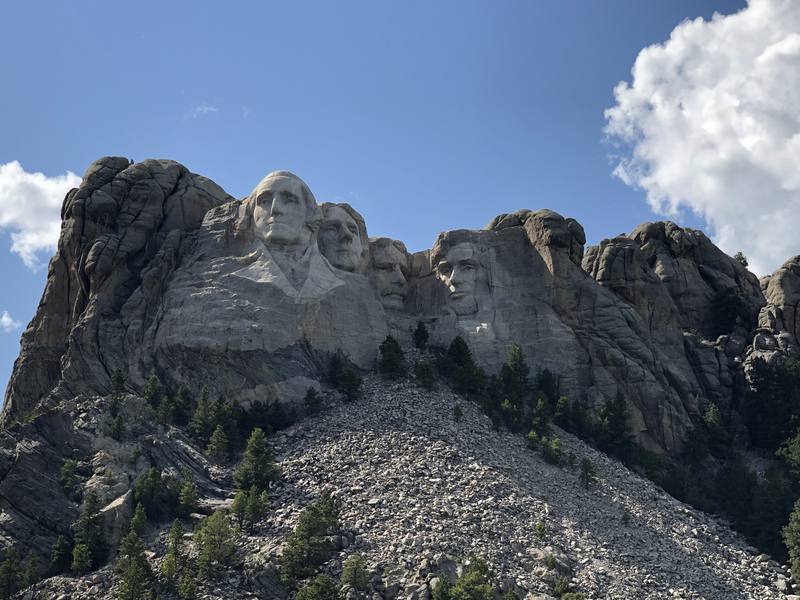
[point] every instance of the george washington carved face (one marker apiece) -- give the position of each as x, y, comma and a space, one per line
284, 211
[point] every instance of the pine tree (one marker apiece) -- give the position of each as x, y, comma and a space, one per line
257, 467
152, 391
139, 520
588, 474
89, 536
117, 381
217, 447
31, 574
187, 590
10, 580
256, 506
391, 362
81, 558
188, 498
215, 547
117, 428
613, 434
60, 556
322, 587
201, 424
133, 570
421, 336
791, 538
350, 384
239, 505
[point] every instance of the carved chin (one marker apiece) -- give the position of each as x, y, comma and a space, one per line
463, 304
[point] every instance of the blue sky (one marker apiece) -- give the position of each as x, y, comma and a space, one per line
424, 116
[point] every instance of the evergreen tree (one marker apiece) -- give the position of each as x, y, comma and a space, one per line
257, 467
256, 506
613, 435
158, 495
30, 576
139, 520
133, 570
152, 391
588, 474
391, 362
563, 414
741, 259
117, 428
188, 498
307, 546
420, 336
712, 419
312, 401
182, 406
547, 383
165, 411
81, 558
117, 381
215, 548
10, 579
239, 505
201, 424
175, 537
335, 369
791, 538
89, 536
322, 587
354, 572
350, 384
68, 476
217, 447
187, 589
60, 556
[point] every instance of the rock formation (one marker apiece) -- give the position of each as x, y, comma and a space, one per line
159, 271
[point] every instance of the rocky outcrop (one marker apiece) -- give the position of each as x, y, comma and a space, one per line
778, 331
125, 220
419, 493
158, 271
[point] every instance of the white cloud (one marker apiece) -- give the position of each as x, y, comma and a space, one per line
202, 109
7, 324
711, 122
30, 209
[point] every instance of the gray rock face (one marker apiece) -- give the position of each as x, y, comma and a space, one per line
778, 331
158, 271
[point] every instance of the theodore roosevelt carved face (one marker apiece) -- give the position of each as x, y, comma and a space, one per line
388, 273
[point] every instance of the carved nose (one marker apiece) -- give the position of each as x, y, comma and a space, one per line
397, 276
345, 235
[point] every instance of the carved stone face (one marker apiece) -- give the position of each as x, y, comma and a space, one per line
460, 271
388, 274
339, 239
280, 212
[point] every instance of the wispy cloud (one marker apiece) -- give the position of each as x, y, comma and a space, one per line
710, 122
7, 324
245, 112
30, 209
200, 110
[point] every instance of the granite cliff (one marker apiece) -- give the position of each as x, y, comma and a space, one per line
159, 272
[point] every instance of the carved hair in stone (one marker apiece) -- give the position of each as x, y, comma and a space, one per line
281, 212
389, 271
343, 237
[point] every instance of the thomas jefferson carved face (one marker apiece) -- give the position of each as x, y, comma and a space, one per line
460, 271
282, 211
389, 267
340, 238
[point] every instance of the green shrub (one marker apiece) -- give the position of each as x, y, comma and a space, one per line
158, 495
60, 556
321, 588
10, 579
215, 547
391, 363
588, 474
425, 373
307, 547
350, 384
90, 544
540, 530
257, 468
68, 476
133, 570
354, 572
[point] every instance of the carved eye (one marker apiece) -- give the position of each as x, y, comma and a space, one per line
353, 230
291, 198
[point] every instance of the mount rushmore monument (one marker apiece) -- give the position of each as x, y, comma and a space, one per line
159, 271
